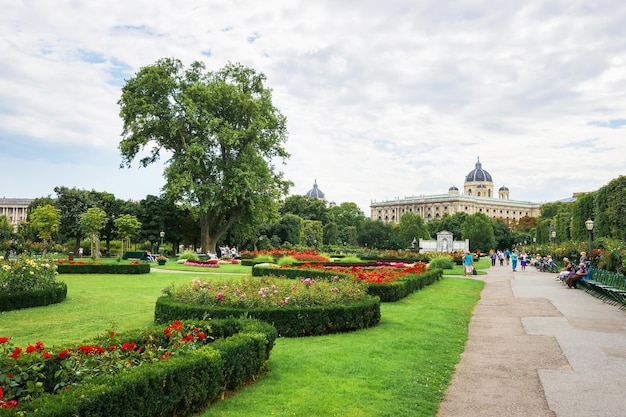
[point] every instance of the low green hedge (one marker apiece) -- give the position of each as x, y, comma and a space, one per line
386, 292
182, 385
288, 321
405, 286
35, 298
141, 268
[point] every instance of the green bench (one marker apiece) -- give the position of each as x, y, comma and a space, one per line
135, 255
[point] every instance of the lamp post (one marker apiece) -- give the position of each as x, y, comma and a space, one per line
162, 234
589, 226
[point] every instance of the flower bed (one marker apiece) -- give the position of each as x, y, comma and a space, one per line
303, 308
176, 370
387, 282
26, 282
211, 263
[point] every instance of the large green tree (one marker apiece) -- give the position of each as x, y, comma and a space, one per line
91, 222
45, 220
478, 228
411, 227
222, 135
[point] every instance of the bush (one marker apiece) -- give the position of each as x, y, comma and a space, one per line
188, 254
95, 268
287, 260
263, 258
350, 259
442, 262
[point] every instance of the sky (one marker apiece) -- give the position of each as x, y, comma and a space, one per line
383, 100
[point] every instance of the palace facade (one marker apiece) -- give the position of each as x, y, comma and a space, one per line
15, 209
478, 197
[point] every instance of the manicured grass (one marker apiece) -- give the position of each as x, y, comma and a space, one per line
172, 265
94, 303
399, 368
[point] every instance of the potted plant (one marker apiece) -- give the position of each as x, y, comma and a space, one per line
161, 260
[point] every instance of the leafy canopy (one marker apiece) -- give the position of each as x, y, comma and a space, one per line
221, 133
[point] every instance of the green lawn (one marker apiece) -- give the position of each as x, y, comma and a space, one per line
399, 368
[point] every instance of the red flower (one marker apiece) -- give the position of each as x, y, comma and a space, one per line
64, 353
30, 349
4, 339
129, 347
47, 355
16, 353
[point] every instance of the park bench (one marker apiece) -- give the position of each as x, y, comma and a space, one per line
135, 255
610, 287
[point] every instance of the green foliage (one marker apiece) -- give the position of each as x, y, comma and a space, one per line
442, 262
287, 260
350, 259
222, 134
107, 268
312, 233
45, 220
478, 228
411, 227
263, 259
188, 254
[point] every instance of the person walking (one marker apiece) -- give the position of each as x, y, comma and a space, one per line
514, 259
493, 256
523, 260
507, 256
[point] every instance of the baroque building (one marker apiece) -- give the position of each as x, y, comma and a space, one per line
478, 196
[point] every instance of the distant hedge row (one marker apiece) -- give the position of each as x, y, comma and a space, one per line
141, 268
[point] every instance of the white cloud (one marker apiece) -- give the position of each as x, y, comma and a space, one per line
382, 100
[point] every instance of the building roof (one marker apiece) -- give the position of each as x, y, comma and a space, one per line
315, 192
478, 174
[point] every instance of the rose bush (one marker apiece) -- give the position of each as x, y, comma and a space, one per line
27, 274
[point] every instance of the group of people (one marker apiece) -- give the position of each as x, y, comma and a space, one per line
511, 258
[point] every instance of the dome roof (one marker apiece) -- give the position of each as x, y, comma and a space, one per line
453, 188
503, 188
478, 174
315, 192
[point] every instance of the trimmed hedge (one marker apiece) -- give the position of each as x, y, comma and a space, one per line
404, 287
143, 268
35, 298
386, 292
288, 321
182, 385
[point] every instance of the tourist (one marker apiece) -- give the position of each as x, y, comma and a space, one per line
572, 280
468, 264
501, 257
494, 256
507, 256
514, 256
566, 271
523, 260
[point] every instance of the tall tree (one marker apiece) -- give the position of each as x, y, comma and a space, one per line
222, 135
478, 228
71, 203
411, 227
307, 208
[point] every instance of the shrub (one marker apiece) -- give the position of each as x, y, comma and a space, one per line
287, 260
443, 262
263, 258
188, 254
350, 259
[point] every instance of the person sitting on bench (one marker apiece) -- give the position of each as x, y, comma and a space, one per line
572, 280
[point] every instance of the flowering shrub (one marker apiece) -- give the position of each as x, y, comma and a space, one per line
250, 293
302, 256
188, 254
211, 263
26, 274
22, 370
373, 275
